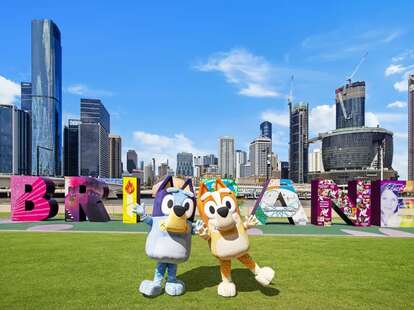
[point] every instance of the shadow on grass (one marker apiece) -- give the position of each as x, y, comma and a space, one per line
208, 276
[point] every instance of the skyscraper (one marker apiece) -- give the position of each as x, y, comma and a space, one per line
46, 108
284, 170
94, 140
298, 144
185, 164
209, 160
350, 105
260, 153
132, 161
241, 159
15, 133
93, 112
411, 127
163, 170
315, 161
115, 169
266, 129
149, 175
226, 157
71, 148
26, 96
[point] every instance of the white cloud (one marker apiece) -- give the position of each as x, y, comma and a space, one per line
345, 42
397, 104
391, 117
404, 70
163, 148
391, 36
276, 117
255, 90
400, 162
394, 69
401, 135
371, 119
402, 86
322, 119
9, 91
407, 54
250, 73
84, 90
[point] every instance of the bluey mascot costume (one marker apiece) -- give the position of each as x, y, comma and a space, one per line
169, 237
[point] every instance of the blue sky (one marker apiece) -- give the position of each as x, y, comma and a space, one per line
176, 76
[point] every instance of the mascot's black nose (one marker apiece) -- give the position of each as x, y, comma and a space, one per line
223, 211
179, 210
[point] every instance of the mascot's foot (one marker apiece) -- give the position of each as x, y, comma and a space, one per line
150, 288
226, 289
175, 288
265, 275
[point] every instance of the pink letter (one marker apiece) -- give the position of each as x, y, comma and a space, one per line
30, 199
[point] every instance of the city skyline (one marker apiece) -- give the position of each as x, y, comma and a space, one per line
132, 92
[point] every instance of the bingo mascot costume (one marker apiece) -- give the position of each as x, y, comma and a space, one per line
169, 237
227, 236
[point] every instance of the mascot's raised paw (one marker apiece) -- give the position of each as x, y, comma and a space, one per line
265, 275
150, 288
175, 288
226, 289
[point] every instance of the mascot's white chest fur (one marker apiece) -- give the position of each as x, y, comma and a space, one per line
229, 244
167, 247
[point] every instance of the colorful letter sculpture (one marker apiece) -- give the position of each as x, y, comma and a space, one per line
226, 233
84, 199
354, 208
30, 198
279, 199
393, 203
130, 197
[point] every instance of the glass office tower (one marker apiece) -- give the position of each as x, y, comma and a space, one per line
46, 98
6, 139
14, 140
71, 148
94, 138
266, 129
298, 143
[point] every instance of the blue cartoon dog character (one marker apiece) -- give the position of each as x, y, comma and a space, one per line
169, 237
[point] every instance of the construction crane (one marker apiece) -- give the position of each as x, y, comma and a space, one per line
349, 81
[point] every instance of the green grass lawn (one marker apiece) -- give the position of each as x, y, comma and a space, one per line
103, 271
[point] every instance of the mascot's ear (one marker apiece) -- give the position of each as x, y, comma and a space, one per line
220, 184
167, 181
202, 190
188, 183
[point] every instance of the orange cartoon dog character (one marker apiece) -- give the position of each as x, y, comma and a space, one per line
226, 234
